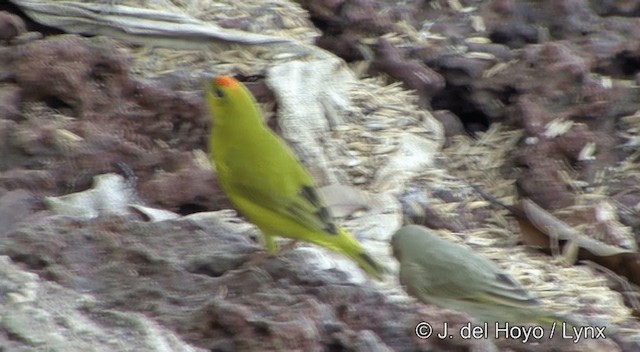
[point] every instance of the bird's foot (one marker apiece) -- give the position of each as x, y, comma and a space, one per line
258, 258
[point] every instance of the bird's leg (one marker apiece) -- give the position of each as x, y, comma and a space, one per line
272, 250
270, 243
287, 247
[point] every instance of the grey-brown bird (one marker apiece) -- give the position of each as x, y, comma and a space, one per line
452, 276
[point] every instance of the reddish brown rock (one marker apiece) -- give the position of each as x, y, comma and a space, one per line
11, 26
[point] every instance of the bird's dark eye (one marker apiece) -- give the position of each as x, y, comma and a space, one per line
219, 93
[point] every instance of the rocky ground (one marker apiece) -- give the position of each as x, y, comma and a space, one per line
537, 99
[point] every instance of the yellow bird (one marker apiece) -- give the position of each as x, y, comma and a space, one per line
264, 180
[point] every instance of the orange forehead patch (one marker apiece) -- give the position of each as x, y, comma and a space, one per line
225, 81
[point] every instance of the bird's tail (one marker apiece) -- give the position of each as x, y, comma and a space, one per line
354, 250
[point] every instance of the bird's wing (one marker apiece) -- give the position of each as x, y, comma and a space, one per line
437, 277
495, 285
278, 182
505, 290
457, 278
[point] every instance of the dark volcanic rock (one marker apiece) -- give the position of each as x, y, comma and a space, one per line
192, 277
73, 110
